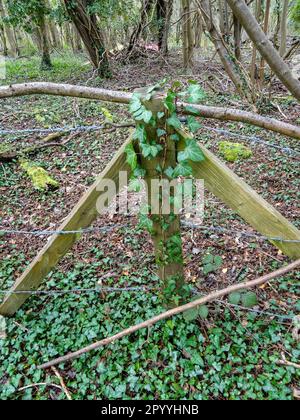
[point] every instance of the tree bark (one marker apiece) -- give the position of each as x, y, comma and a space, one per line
90, 33
257, 35
266, 30
8, 31
146, 8
46, 63
187, 38
164, 15
218, 113
283, 28
216, 38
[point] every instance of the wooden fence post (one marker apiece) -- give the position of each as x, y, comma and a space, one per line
166, 233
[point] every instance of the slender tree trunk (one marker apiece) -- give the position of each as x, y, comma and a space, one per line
283, 28
46, 63
237, 39
266, 30
91, 35
8, 30
216, 38
221, 17
198, 30
164, 15
77, 40
188, 44
3, 39
146, 9
254, 73
257, 35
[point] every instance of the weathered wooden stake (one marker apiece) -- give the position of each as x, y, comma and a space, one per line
166, 224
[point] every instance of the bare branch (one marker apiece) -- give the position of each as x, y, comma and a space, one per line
223, 114
209, 298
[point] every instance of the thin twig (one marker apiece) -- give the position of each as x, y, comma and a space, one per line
285, 362
63, 385
168, 314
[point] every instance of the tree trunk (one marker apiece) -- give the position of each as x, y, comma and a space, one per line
146, 8
8, 30
266, 30
3, 40
90, 33
237, 39
223, 53
46, 63
164, 15
254, 72
283, 28
257, 35
187, 37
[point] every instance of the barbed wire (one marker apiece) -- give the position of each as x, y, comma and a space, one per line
253, 139
219, 229
62, 232
76, 291
68, 129
189, 225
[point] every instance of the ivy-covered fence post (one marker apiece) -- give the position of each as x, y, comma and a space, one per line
157, 152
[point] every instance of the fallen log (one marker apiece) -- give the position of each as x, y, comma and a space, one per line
218, 113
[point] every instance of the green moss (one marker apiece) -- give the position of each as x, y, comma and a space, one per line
4, 148
234, 151
40, 178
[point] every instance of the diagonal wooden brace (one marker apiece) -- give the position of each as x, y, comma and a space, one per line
241, 198
81, 217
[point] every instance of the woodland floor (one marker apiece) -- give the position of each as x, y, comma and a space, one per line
231, 355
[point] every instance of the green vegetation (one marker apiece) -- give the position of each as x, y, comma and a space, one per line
40, 178
234, 151
226, 350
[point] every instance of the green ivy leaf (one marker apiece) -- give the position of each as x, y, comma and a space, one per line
249, 300
191, 314
151, 150
135, 103
139, 172
135, 185
234, 298
170, 172
140, 134
183, 169
146, 223
131, 156
195, 94
161, 133
174, 122
193, 124
203, 312
170, 102
144, 116
175, 137
192, 152
160, 115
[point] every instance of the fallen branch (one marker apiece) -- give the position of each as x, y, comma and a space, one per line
285, 362
229, 114
63, 385
223, 114
47, 142
199, 302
